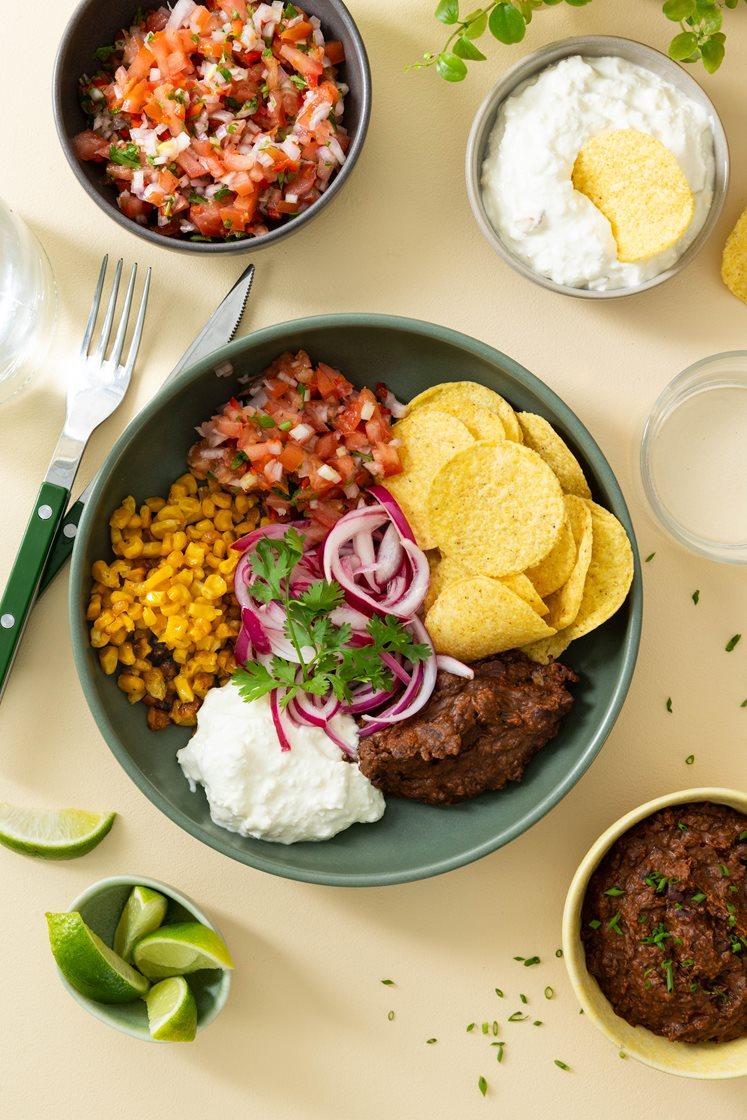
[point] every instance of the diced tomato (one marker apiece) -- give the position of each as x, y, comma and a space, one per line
330, 382
350, 417
206, 216
327, 445
292, 456
357, 441
306, 66
136, 97
89, 145
297, 33
335, 52
133, 207
190, 164
388, 458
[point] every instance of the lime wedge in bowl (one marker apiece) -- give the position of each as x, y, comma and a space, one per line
175, 950
144, 911
52, 833
172, 1011
90, 966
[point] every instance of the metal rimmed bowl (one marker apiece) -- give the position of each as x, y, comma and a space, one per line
96, 22
705, 1060
590, 46
411, 841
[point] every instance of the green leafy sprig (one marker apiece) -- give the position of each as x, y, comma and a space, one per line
700, 38
326, 660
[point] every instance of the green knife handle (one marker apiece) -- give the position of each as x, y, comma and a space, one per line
63, 545
23, 581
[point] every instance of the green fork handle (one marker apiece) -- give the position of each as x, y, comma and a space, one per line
23, 582
63, 545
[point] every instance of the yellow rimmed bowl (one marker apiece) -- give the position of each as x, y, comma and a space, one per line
705, 1061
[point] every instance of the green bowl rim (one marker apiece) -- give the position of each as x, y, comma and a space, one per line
101, 1011
592, 453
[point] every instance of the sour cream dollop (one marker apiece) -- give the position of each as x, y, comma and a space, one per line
539, 130
255, 789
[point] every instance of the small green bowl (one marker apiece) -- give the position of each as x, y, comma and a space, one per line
100, 906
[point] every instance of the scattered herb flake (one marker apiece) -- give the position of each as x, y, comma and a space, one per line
549, 992
470, 1027
649, 558
690, 760
530, 961
558, 1063
699, 897
390, 1016
613, 892
388, 983
482, 1085
733, 641
669, 703
517, 1017
595, 923
695, 597
668, 970
430, 1041
538, 1023
558, 952
523, 998
614, 923
499, 993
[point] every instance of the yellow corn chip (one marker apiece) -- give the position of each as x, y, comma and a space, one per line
552, 572
525, 589
495, 507
734, 259
542, 438
564, 604
428, 440
459, 393
475, 618
609, 576
480, 422
548, 649
639, 186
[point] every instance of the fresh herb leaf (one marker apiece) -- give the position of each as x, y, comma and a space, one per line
103, 54
128, 156
482, 1085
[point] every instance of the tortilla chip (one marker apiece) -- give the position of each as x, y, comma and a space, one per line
552, 572
734, 259
525, 589
639, 186
565, 603
542, 438
480, 422
475, 618
495, 507
609, 576
459, 393
444, 570
428, 440
547, 649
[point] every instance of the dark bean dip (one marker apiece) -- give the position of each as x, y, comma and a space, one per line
664, 924
472, 735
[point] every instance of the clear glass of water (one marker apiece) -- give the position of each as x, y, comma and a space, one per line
694, 457
28, 304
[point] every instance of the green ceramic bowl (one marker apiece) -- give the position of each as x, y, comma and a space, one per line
412, 841
100, 907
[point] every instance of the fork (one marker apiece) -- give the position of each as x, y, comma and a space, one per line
96, 387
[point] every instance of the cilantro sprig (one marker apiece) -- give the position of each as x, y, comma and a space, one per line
328, 662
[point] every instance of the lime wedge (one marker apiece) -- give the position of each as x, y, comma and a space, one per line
52, 833
172, 1011
144, 911
89, 965
183, 947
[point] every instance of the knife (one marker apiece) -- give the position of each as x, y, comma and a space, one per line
220, 328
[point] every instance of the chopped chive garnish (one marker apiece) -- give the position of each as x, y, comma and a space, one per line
669, 703
499, 1050
668, 970
285, 425
388, 983
613, 892
538, 1023
530, 961
649, 558
695, 597
742, 835
690, 760
517, 1017
519, 958
614, 923
621, 1054
523, 998
499, 993
390, 1016
724, 870
558, 1063
733, 641
595, 923
743, 704
549, 992
486, 1028
682, 826
430, 1041
482, 1085
470, 1027
558, 952
496, 1029
698, 897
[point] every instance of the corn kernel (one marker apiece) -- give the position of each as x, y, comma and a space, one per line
108, 659
126, 654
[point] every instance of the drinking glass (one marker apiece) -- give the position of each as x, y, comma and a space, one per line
28, 304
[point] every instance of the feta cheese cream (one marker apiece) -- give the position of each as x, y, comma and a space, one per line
526, 176
256, 789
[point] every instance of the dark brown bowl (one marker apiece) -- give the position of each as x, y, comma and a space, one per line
96, 22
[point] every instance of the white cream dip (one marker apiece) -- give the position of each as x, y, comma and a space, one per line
539, 130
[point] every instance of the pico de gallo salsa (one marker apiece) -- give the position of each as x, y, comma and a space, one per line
217, 120
305, 438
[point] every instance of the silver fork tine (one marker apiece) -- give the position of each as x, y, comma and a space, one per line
94, 307
109, 317
137, 334
118, 346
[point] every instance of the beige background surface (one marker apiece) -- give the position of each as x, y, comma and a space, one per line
306, 1034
